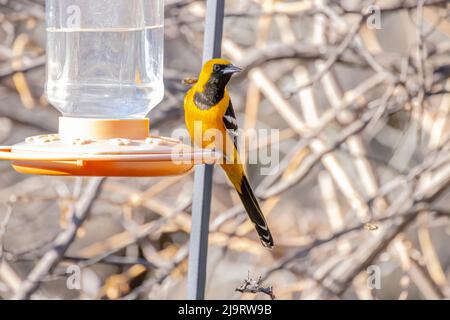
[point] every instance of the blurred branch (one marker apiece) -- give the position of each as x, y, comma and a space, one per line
45, 119
255, 286
62, 242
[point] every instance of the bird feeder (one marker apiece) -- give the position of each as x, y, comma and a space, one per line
104, 74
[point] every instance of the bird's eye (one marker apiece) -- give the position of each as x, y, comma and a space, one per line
216, 68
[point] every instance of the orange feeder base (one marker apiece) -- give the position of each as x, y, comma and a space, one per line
107, 148
101, 168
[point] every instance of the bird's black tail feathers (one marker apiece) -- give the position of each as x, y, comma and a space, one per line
253, 209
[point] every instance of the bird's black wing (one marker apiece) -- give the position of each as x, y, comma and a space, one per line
230, 122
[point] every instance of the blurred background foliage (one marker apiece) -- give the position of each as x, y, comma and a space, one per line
360, 93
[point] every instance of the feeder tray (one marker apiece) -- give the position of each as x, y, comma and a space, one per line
101, 147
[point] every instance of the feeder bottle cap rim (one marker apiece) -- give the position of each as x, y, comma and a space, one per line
71, 128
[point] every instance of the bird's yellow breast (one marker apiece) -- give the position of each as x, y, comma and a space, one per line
200, 123
203, 126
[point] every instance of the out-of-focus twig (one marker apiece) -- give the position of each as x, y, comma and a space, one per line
255, 286
62, 242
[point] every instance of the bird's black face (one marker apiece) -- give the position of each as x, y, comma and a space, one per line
221, 74
225, 69
215, 86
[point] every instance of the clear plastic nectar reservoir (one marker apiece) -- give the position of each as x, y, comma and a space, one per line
105, 57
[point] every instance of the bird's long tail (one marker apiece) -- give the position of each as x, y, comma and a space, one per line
251, 205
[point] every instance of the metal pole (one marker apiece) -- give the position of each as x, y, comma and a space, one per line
201, 203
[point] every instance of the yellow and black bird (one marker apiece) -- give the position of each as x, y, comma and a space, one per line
208, 111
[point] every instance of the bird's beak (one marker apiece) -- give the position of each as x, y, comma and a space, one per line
230, 69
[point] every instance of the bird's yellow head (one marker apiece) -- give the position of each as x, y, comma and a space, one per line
216, 73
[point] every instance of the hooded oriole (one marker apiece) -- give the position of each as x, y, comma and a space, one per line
211, 122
